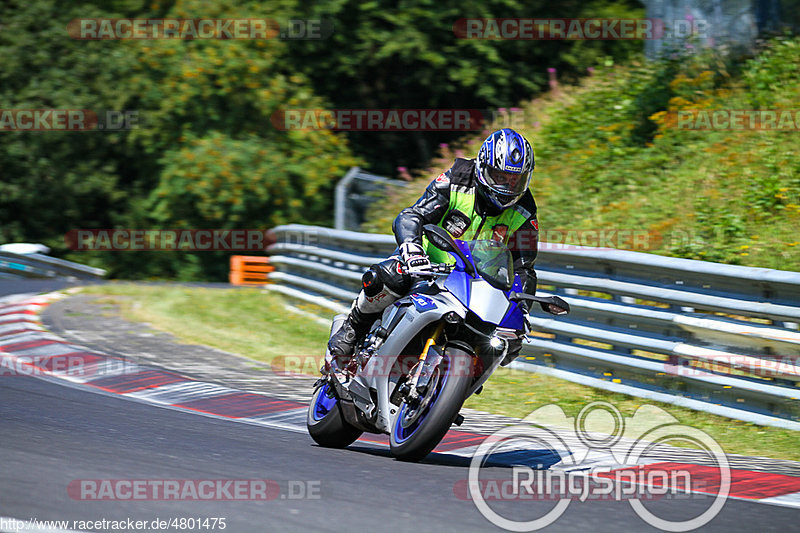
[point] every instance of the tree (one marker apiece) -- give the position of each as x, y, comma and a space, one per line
406, 55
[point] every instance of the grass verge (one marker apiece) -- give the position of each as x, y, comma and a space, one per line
258, 325
245, 321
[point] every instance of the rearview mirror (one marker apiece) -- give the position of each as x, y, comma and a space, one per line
555, 305
553, 309
439, 237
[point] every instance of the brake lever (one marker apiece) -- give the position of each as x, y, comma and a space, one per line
435, 272
427, 275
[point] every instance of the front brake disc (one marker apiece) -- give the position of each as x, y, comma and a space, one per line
412, 414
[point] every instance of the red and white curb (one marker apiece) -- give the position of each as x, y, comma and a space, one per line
26, 348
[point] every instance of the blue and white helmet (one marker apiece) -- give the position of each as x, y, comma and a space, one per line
504, 167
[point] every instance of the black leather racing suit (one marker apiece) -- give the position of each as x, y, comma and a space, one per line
383, 283
433, 206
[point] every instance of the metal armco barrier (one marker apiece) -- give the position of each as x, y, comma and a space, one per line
43, 266
713, 337
249, 270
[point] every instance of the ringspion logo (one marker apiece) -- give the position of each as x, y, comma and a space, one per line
568, 472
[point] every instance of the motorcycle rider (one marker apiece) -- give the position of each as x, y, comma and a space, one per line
485, 198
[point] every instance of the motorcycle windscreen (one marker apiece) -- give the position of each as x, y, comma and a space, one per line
493, 261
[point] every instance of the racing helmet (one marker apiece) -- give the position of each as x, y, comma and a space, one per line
504, 168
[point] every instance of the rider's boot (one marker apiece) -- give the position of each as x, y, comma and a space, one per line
368, 306
342, 343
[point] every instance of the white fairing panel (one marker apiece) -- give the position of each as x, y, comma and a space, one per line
489, 303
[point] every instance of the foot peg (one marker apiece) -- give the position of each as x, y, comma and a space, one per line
459, 419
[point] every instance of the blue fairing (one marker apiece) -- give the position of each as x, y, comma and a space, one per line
514, 318
464, 247
459, 283
517, 286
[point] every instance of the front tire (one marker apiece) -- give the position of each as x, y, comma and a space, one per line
325, 422
411, 440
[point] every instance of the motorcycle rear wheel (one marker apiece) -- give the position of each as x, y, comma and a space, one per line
325, 422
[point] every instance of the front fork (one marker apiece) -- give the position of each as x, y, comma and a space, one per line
423, 357
429, 360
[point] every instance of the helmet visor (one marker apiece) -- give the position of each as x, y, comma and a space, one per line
506, 183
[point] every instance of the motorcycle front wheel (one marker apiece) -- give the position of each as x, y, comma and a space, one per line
325, 422
418, 429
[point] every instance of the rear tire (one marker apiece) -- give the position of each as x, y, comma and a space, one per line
325, 422
415, 441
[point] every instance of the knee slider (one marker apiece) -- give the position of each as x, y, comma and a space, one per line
393, 279
372, 282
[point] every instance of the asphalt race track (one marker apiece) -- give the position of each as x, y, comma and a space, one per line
53, 433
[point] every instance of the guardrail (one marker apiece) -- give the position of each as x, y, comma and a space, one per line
43, 266
713, 337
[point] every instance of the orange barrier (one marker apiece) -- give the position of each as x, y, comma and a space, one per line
249, 270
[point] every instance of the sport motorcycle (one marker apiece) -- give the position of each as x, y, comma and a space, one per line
428, 352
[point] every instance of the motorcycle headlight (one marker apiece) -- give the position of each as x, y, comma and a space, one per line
496, 342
